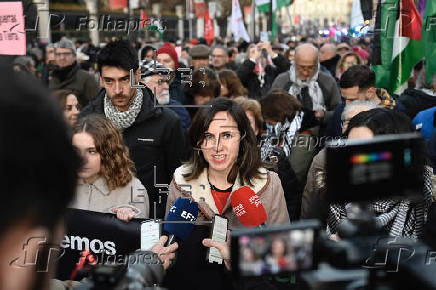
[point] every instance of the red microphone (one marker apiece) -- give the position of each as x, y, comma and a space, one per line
248, 207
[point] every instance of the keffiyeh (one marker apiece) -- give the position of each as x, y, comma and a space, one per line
123, 120
281, 135
315, 91
400, 218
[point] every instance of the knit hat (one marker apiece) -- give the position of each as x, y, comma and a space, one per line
169, 49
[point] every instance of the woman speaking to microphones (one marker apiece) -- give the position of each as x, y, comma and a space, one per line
224, 158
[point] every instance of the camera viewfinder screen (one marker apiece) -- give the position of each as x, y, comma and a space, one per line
271, 254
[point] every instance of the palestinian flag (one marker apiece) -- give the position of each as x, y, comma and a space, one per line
429, 38
397, 43
264, 6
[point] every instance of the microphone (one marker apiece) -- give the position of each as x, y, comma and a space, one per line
183, 210
248, 207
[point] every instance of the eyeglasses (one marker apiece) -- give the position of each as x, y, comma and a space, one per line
63, 54
218, 56
209, 141
309, 68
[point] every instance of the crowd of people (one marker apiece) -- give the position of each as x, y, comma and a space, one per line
151, 120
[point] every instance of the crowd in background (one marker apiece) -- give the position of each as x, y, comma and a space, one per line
282, 101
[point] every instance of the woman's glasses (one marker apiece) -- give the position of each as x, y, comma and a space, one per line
210, 141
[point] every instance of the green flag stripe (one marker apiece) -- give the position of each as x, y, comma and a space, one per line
393, 75
429, 38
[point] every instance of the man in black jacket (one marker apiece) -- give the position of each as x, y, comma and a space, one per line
154, 135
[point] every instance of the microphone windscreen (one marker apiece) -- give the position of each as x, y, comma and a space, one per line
248, 207
183, 210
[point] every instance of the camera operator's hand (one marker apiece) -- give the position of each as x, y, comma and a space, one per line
223, 248
165, 254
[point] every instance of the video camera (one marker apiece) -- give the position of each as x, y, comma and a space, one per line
358, 173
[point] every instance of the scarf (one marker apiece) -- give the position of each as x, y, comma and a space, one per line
62, 73
400, 218
123, 120
315, 91
280, 134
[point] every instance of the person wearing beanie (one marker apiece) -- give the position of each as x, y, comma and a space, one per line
167, 56
68, 75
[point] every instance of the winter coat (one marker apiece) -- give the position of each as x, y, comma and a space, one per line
251, 81
191, 269
156, 143
75, 79
98, 197
415, 101
327, 83
176, 87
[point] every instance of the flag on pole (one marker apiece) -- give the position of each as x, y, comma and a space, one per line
237, 24
264, 7
429, 39
400, 49
356, 14
209, 34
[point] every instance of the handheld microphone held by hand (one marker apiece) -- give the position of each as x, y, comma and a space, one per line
183, 210
248, 207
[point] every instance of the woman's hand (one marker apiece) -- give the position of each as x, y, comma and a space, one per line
223, 248
124, 214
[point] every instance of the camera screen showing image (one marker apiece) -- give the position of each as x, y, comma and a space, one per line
388, 166
271, 251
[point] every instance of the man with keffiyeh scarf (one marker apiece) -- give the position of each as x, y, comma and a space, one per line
154, 135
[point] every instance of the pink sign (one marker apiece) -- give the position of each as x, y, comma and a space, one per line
12, 31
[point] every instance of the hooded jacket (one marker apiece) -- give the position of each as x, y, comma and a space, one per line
155, 141
191, 269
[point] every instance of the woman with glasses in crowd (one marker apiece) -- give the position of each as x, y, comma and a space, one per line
224, 158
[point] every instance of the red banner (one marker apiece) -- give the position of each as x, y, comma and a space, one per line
200, 9
118, 4
209, 34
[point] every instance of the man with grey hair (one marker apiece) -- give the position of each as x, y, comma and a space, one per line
312, 204
68, 75
317, 91
158, 83
220, 58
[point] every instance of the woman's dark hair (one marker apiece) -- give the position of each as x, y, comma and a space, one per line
279, 105
248, 163
145, 50
204, 83
382, 121
232, 82
120, 54
61, 96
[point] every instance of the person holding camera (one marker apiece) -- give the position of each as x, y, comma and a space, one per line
260, 68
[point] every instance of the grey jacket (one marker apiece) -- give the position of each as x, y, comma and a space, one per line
330, 90
269, 189
98, 197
